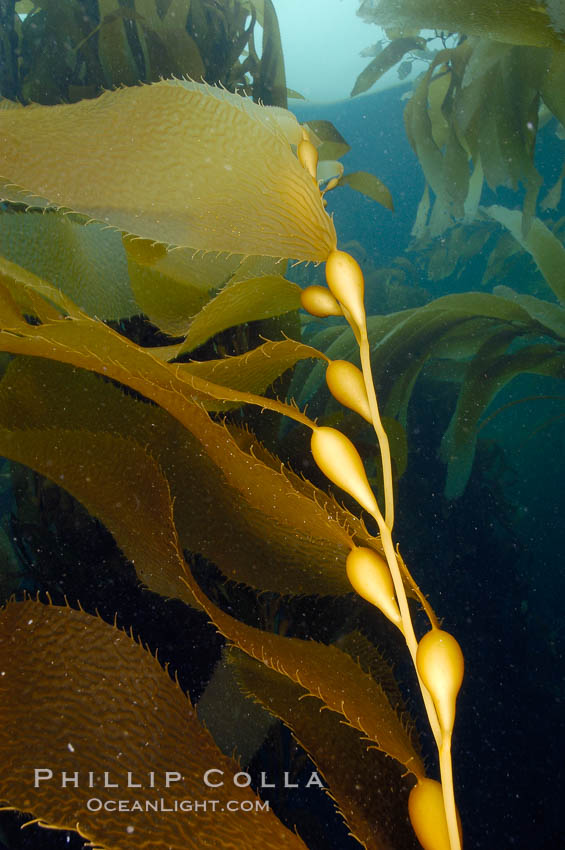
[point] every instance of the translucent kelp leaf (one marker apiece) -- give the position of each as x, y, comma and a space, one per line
540, 242
170, 287
328, 140
473, 199
243, 301
420, 222
384, 61
328, 169
419, 131
550, 316
377, 816
496, 112
167, 303
512, 21
478, 105
80, 695
488, 372
70, 336
178, 163
254, 371
86, 262
370, 186
437, 92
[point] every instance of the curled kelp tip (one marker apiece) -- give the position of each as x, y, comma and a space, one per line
175, 162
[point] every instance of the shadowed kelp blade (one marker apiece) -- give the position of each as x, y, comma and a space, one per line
91, 699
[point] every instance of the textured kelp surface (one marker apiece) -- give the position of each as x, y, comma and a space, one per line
98, 709
217, 176
510, 21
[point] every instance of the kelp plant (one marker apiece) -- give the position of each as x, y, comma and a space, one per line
225, 175
65, 52
474, 114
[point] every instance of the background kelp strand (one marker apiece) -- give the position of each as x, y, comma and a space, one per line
90, 698
540, 242
87, 263
510, 21
169, 163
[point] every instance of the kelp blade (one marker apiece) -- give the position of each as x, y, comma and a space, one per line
87, 263
377, 816
80, 695
185, 165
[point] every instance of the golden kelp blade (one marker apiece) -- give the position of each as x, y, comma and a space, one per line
80, 695
177, 164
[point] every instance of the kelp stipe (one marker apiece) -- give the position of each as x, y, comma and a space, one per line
62, 332
437, 657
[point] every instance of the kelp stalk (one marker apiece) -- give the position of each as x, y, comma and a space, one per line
439, 671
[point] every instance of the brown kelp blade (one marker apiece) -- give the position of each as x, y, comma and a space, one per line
129, 462
80, 696
216, 484
115, 476
376, 815
327, 673
178, 163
